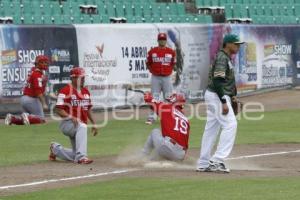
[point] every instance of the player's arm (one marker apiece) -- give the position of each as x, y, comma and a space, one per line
219, 75
155, 105
149, 60
42, 99
37, 83
91, 117
174, 59
59, 109
92, 120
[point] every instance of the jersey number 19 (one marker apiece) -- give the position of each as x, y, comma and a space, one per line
181, 125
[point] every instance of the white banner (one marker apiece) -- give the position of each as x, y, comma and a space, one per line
114, 58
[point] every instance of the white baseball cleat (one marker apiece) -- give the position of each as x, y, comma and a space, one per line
214, 167
150, 121
7, 120
25, 118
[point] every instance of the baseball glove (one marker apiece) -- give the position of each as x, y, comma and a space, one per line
237, 106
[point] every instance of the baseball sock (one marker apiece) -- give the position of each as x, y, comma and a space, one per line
17, 120
35, 119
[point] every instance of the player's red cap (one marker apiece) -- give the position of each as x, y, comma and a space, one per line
42, 58
162, 36
77, 72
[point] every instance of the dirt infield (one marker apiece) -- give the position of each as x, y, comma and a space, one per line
260, 166
270, 161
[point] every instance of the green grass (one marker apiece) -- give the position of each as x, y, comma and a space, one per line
27, 144
191, 189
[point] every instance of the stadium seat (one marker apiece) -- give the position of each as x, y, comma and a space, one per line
156, 19
147, 10
181, 9
95, 19
228, 11
256, 19
206, 3
37, 19
252, 10
110, 8
269, 10
260, 10
138, 10
139, 19
120, 12
67, 19
128, 10
58, 19
86, 19
17, 19
77, 19
105, 19
47, 19
276, 10
215, 3
101, 8
238, 1
173, 9
148, 19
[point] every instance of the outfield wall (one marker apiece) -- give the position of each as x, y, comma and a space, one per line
114, 57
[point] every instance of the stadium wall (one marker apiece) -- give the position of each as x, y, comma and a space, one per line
114, 58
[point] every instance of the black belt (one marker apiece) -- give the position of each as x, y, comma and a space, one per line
174, 142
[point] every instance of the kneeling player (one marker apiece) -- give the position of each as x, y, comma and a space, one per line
74, 107
33, 100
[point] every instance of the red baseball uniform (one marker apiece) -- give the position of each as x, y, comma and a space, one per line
161, 61
173, 123
36, 83
75, 103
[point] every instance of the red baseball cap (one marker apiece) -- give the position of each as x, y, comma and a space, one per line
162, 36
77, 72
38, 62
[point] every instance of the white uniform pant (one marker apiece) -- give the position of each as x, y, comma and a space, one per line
216, 121
160, 84
163, 147
78, 139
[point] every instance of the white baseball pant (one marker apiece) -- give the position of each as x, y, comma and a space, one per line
163, 147
216, 121
160, 84
78, 139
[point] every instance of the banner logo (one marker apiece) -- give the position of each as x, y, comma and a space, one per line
60, 55
8, 57
100, 50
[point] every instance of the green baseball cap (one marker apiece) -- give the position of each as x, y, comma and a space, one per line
231, 38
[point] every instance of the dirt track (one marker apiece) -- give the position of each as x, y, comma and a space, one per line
264, 166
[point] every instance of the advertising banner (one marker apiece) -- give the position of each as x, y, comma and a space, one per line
114, 57
19, 46
265, 60
115, 60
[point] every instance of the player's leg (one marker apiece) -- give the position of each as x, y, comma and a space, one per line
167, 87
156, 88
34, 107
68, 128
227, 137
154, 141
171, 150
81, 144
211, 130
13, 119
63, 153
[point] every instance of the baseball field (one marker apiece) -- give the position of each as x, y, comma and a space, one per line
264, 162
